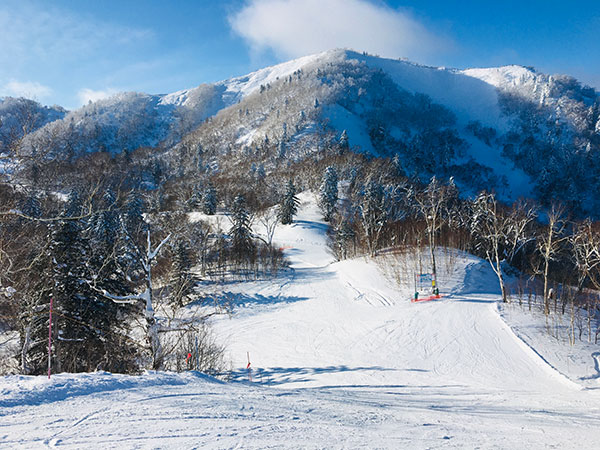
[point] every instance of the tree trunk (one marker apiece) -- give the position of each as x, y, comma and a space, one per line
498, 269
546, 299
502, 287
433, 265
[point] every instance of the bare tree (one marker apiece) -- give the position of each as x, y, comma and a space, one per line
549, 244
374, 211
500, 234
585, 242
268, 218
433, 204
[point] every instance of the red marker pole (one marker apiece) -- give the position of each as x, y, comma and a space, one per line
50, 339
248, 367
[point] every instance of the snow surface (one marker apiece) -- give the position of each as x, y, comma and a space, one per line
340, 359
240, 87
504, 77
469, 97
341, 119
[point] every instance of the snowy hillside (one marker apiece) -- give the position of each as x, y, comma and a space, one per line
507, 128
340, 358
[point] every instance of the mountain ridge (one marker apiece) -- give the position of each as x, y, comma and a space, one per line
514, 129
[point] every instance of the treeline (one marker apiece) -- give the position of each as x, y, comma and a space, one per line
114, 269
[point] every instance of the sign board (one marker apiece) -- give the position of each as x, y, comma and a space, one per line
425, 277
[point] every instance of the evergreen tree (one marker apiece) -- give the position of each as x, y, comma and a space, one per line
134, 209
209, 200
242, 245
106, 223
74, 207
31, 206
106, 264
343, 141
289, 204
89, 330
344, 234
181, 280
200, 156
260, 172
281, 150
328, 193
73, 339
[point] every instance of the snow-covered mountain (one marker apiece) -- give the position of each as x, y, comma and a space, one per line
508, 128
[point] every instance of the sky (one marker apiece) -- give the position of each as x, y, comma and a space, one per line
69, 52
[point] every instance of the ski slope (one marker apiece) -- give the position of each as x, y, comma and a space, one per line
340, 358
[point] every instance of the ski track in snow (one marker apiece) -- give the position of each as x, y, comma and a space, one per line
341, 359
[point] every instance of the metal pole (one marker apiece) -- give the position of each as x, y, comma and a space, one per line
50, 338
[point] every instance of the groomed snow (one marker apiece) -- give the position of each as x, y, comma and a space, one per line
341, 359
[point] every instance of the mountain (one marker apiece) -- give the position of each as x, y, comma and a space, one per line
509, 128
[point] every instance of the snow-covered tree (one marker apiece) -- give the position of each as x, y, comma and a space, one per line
242, 244
374, 212
585, 244
281, 150
31, 206
134, 209
328, 193
209, 200
146, 259
343, 141
289, 204
181, 279
89, 331
344, 235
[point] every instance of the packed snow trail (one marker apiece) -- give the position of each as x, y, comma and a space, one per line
341, 359
328, 315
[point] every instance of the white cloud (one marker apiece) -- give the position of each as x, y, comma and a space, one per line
294, 28
90, 95
28, 89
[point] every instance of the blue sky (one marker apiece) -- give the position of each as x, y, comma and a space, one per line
70, 51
